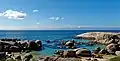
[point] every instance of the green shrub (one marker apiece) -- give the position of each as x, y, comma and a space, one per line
117, 58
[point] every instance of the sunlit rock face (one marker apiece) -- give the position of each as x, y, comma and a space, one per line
101, 37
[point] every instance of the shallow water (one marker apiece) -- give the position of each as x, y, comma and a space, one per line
51, 35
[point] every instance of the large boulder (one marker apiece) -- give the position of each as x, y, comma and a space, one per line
69, 53
39, 43
83, 52
2, 55
111, 48
70, 44
34, 46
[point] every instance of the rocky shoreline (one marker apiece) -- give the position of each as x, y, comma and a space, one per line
18, 50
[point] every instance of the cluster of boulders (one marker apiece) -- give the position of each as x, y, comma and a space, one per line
109, 49
61, 44
74, 52
25, 57
61, 59
100, 37
16, 45
112, 40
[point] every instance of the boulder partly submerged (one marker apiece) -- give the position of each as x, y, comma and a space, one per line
100, 37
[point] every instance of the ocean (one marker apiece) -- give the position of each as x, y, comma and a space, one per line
51, 35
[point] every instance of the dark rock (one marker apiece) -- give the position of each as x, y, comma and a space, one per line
18, 57
63, 42
83, 52
39, 43
97, 50
70, 44
103, 51
34, 46
2, 55
27, 57
14, 49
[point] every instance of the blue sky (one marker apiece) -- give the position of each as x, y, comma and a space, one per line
59, 14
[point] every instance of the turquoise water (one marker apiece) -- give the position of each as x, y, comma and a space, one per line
50, 51
51, 35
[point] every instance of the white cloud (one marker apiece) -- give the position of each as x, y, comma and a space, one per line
35, 10
56, 18
11, 14
38, 23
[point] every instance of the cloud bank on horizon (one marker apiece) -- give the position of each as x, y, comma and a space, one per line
60, 14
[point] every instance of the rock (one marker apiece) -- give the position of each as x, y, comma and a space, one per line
94, 59
100, 37
117, 53
63, 42
114, 37
10, 59
27, 57
69, 53
34, 46
18, 57
39, 43
15, 49
103, 51
48, 59
97, 50
59, 52
88, 59
111, 48
70, 44
2, 55
98, 56
83, 52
